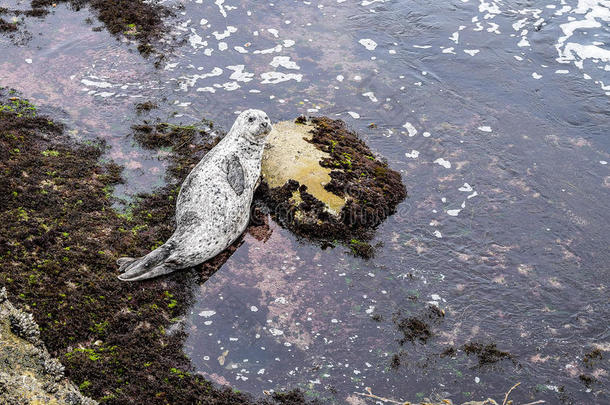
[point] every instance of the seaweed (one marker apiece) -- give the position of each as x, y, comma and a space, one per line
8, 26
372, 191
587, 380
413, 329
59, 240
135, 19
145, 106
395, 361
487, 354
377, 317
591, 357
361, 249
448, 352
417, 328
294, 397
189, 143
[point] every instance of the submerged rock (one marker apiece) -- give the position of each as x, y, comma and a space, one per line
323, 182
138, 20
28, 374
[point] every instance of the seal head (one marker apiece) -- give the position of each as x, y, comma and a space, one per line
252, 125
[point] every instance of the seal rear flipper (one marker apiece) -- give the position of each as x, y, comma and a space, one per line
124, 262
161, 269
152, 265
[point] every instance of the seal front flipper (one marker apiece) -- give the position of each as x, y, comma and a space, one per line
235, 173
152, 265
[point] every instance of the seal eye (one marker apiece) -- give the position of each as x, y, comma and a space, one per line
251, 119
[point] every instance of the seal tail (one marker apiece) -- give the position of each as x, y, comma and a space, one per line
152, 265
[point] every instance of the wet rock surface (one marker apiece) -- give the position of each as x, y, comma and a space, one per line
28, 373
323, 182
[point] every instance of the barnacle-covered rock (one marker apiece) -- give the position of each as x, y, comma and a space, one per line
51, 387
28, 374
54, 369
24, 326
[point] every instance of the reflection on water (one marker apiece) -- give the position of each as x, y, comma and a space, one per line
496, 114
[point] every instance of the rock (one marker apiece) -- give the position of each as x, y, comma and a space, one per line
290, 155
28, 374
322, 182
23, 325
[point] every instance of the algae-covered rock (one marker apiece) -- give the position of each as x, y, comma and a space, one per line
28, 374
59, 240
323, 182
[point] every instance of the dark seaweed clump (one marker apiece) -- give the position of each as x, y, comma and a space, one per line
145, 106
136, 19
448, 352
361, 249
413, 329
417, 328
373, 190
59, 240
183, 139
592, 357
294, 397
487, 354
396, 360
590, 360
587, 380
6, 26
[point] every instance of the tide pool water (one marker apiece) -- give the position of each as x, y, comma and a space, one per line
495, 112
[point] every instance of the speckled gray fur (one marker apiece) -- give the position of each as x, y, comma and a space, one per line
213, 207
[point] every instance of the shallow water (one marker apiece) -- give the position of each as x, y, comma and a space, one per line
502, 146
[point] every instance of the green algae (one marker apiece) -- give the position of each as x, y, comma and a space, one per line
323, 182
28, 374
59, 240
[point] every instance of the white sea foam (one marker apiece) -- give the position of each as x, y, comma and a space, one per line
368, 44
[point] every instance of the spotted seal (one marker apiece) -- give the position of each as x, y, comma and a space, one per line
213, 206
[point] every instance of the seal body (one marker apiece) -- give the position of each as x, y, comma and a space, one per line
213, 206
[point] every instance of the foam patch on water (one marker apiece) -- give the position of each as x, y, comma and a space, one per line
443, 162
411, 131
368, 44
285, 62
575, 46
279, 77
371, 96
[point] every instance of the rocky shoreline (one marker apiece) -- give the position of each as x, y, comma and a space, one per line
28, 373
59, 240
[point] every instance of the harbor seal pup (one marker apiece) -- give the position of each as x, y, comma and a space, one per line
213, 206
